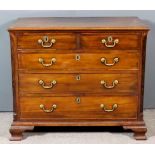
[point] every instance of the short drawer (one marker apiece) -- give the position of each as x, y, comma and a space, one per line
117, 60
46, 41
110, 41
112, 107
78, 83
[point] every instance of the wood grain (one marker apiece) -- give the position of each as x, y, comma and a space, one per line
82, 37
79, 23
88, 83
30, 41
88, 108
126, 41
89, 61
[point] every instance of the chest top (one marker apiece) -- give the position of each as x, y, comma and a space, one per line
79, 23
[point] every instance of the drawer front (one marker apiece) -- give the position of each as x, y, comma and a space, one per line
46, 41
112, 107
111, 41
80, 61
78, 83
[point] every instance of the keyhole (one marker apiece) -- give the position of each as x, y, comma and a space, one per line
78, 100
110, 39
78, 77
45, 38
77, 57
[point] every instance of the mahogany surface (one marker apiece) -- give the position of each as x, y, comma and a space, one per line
75, 61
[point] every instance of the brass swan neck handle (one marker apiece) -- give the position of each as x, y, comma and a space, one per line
110, 42
54, 106
45, 42
42, 83
114, 84
42, 61
114, 107
104, 61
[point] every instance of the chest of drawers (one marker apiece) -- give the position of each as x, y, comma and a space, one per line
78, 72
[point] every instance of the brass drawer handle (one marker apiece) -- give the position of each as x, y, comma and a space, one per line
54, 106
114, 83
41, 60
111, 41
114, 107
42, 83
45, 42
104, 61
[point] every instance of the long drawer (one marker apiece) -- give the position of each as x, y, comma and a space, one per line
113, 107
78, 83
118, 60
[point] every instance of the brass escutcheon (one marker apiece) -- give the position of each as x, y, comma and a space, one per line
77, 57
78, 100
78, 77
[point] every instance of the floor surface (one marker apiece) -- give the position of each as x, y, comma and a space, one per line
76, 135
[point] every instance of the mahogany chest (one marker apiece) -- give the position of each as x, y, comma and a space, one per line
78, 72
